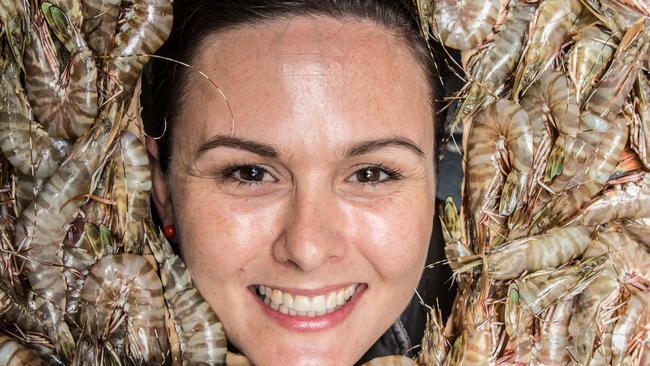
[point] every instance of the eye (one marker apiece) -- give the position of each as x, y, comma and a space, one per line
374, 174
249, 174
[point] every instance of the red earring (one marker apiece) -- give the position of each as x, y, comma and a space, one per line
169, 231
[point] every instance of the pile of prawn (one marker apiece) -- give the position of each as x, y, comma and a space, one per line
86, 278
551, 247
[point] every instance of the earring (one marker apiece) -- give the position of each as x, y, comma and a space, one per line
169, 231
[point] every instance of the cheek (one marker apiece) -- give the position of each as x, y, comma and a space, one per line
394, 235
221, 236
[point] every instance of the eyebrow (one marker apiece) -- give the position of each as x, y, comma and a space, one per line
370, 146
238, 143
269, 152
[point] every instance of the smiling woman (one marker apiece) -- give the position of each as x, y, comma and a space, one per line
304, 202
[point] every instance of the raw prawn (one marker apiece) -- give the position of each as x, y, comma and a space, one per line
640, 129
585, 326
587, 59
14, 27
199, 330
40, 228
627, 202
530, 254
607, 99
124, 290
548, 30
132, 191
100, 23
541, 289
551, 349
27, 146
464, 25
15, 354
552, 99
452, 233
503, 125
634, 319
434, 344
65, 101
617, 17
518, 325
493, 65
144, 27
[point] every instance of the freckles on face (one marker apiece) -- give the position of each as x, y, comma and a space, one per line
306, 221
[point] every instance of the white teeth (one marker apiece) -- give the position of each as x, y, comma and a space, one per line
276, 297
331, 300
287, 300
301, 303
317, 304
283, 309
298, 305
340, 297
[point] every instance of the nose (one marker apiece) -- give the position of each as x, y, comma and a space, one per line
313, 232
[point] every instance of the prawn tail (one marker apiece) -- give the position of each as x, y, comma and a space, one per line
512, 192
555, 163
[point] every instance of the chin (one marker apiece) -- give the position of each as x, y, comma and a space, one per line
322, 354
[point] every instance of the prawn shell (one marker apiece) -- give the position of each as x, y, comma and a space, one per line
129, 282
464, 24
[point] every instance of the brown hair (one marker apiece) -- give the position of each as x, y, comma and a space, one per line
194, 20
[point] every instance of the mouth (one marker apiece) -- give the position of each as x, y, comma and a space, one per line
305, 306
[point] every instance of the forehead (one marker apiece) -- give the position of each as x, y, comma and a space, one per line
308, 78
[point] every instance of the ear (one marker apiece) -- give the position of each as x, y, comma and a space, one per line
159, 189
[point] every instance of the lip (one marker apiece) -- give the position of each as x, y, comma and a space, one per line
316, 323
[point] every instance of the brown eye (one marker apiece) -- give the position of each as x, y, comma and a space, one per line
369, 175
251, 174
374, 174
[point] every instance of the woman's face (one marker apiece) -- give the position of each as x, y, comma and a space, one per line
305, 219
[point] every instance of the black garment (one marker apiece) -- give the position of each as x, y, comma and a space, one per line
404, 336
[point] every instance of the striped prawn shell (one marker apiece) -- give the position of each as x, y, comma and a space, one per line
534, 253
587, 59
13, 353
146, 26
129, 283
503, 121
131, 187
492, 66
64, 102
464, 25
42, 226
27, 146
391, 361
552, 346
552, 23
201, 335
617, 82
100, 22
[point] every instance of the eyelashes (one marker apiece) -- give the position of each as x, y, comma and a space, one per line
256, 174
